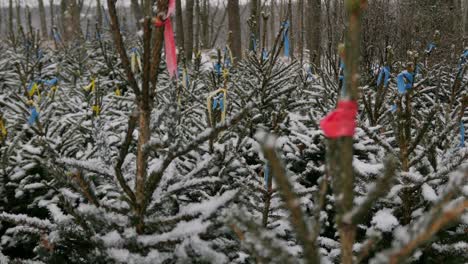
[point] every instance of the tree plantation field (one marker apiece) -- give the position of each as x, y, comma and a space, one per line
169, 131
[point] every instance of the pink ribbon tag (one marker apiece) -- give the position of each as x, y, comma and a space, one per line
342, 121
169, 41
171, 8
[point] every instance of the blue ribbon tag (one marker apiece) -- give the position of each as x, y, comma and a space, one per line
264, 54
310, 75
342, 78
57, 36
385, 75
30, 85
266, 174
34, 116
430, 47
462, 134
40, 54
52, 82
187, 81
286, 38
218, 100
227, 58
463, 59
254, 41
404, 81
217, 68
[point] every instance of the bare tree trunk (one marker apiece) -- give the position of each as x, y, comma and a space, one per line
314, 30
457, 16
10, 17
300, 13
272, 24
71, 22
52, 14
99, 15
18, 14
42, 15
234, 27
147, 7
254, 22
198, 25
76, 19
64, 17
343, 173
137, 13
180, 24
29, 21
291, 29
189, 24
465, 21
1, 17
205, 18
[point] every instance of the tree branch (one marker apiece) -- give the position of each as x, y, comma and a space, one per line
115, 28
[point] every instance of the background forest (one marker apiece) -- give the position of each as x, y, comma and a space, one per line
169, 131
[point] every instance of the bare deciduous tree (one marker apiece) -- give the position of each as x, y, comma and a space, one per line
314, 27
42, 16
235, 28
189, 26
180, 24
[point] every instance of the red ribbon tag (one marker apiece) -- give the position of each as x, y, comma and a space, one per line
169, 41
342, 121
171, 8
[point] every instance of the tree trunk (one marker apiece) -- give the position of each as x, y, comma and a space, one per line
1, 18
198, 25
300, 35
29, 21
18, 14
147, 7
99, 15
64, 17
465, 26
314, 30
136, 9
291, 30
255, 22
10, 17
272, 24
189, 25
52, 14
75, 10
42, 15
70, 13
179, 24
205, 25
234, 27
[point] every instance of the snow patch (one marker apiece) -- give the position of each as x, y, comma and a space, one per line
384, 220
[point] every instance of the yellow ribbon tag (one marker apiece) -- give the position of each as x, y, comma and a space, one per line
34, 89
96, 110
91, 87
230, 55
135, 62
53, 90
3, 129
225, 73
118, 92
